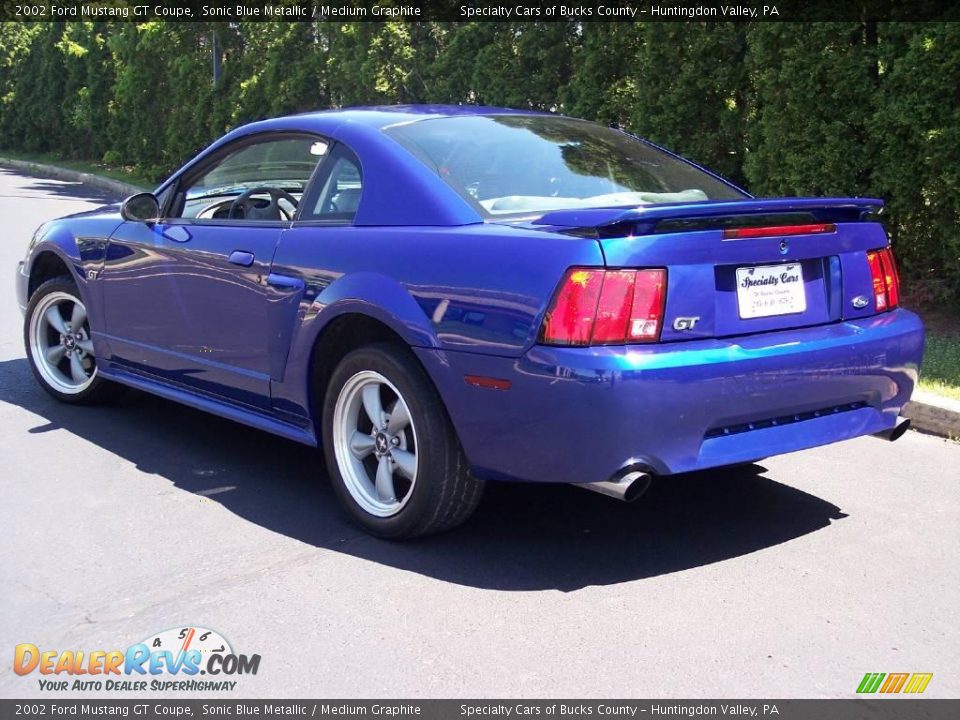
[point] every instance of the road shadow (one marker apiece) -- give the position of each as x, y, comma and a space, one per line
523, 536
63, 189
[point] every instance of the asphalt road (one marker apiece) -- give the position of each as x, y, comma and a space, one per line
790, 579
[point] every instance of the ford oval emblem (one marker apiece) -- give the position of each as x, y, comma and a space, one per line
784, 247
860, 302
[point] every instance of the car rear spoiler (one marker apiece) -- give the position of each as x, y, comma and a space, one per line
644, 219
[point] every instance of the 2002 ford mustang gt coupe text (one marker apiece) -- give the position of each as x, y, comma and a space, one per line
444, 296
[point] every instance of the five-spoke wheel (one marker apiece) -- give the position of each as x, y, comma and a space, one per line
375, 442
60, 340
393, 456
59, 345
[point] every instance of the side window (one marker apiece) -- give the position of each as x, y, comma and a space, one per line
339, 187
263, 180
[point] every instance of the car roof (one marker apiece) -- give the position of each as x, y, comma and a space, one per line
381, 116
372, 119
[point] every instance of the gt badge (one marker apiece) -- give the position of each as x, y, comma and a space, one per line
685, 323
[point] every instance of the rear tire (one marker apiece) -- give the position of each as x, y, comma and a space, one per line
56, 333
393, 456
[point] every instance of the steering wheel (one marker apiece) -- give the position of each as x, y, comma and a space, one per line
246, 203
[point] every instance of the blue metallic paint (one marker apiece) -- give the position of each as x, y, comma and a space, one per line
170, 292
170, 314
464, 297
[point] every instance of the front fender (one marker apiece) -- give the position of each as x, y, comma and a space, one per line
80, 243
58, 242
65, 249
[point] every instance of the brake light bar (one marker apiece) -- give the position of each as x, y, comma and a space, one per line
778, 231
886, 279
594, 306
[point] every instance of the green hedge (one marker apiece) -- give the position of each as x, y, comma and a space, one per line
819, 108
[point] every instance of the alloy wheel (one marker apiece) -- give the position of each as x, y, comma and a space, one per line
375, 443
60, 343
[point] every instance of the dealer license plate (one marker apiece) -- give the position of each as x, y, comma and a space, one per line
770, 290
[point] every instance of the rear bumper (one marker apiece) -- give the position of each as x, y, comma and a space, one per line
581, 415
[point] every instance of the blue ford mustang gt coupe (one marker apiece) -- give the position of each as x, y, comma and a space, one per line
443, 296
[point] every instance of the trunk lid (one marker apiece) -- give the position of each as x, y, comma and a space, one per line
807, 264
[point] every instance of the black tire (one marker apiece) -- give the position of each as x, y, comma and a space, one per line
443, 494
98, 390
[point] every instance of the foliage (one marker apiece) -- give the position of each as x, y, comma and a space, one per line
917, 131
813, 94
941, 364
783, 108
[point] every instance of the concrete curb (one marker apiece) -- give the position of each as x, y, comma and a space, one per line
59, 173
933, 414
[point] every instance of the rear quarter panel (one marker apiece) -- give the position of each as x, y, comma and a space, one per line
478, 288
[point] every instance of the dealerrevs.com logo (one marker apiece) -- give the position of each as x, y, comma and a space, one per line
168, 661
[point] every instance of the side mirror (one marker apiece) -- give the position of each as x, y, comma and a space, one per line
142, 207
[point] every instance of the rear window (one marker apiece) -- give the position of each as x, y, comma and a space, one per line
527, 164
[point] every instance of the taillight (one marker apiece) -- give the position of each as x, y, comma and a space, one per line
574, 309
891, 277
886, 281
606, 307
616, 299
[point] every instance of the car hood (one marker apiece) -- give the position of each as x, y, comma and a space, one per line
111, 211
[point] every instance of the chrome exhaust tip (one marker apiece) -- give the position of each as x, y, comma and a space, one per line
626, 486
894, 433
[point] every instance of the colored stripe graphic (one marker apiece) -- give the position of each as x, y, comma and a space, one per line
918, 683
894, 683
870, 682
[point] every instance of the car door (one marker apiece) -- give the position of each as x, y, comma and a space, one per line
190, 299
324, 234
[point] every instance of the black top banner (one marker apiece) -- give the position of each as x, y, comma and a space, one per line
478, 10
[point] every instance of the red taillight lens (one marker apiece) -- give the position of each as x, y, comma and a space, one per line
778, 231
647, 313
891, 277
613, 310
886, 281
603, 307
879, 287
574, 308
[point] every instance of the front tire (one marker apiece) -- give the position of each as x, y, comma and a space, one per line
56, 333
393, 457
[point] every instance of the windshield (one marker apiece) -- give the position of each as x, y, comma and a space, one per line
287, 163
525, 164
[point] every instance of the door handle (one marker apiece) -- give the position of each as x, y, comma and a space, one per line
242, 258
284, 283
